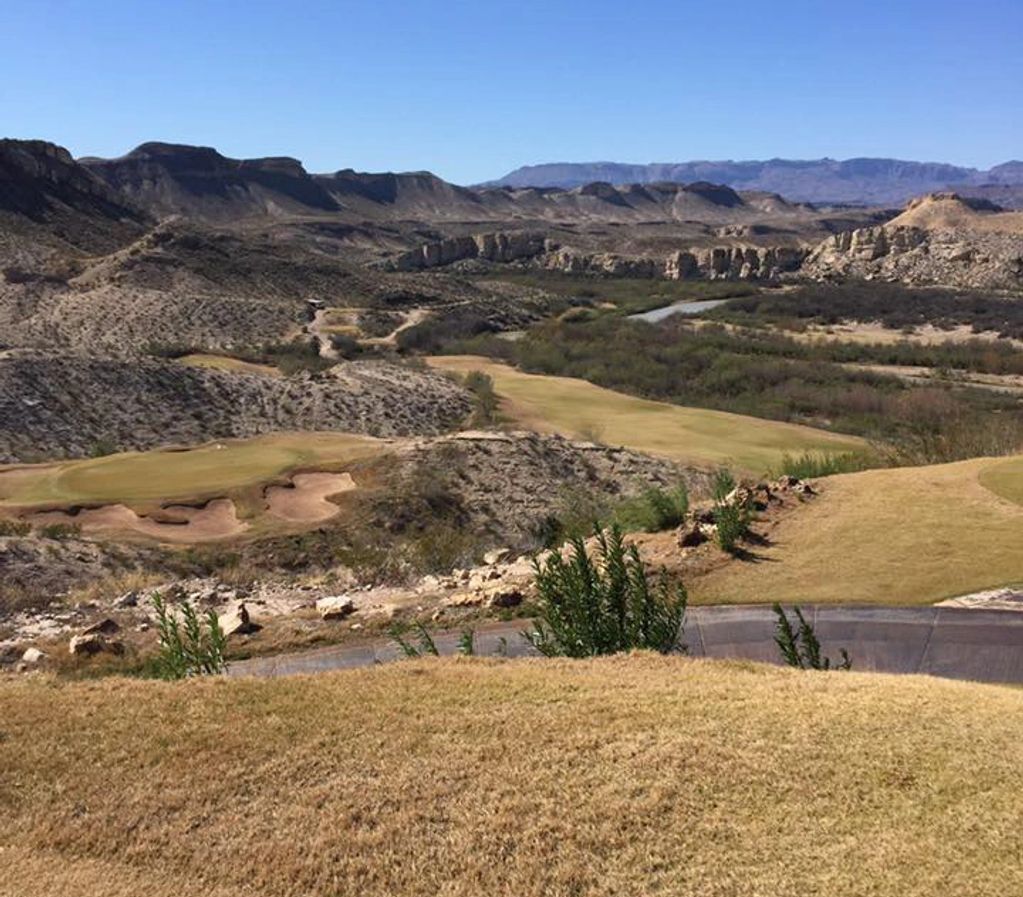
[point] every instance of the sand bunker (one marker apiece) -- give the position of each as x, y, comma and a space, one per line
305, 500
175, 523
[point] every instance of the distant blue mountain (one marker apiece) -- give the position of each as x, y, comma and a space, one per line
866, 181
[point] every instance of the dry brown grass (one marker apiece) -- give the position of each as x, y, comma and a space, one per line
632, 775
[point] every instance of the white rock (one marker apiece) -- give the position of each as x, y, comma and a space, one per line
335, 607
235, 621
33, 655
496, 556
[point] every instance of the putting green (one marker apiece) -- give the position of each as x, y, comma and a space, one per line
214, 469
577, 408
1005, 478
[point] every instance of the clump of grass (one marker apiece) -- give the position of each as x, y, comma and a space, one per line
799, 645
811, 465
603, 605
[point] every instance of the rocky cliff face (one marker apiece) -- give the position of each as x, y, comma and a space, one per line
492, 247
956, 258
718, 263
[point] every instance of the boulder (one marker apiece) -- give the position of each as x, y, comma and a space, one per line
235, 621
128, 599
33, 656
94, 643
496, 556
689, 535
335, 607
503, 595
464, 599
102, 627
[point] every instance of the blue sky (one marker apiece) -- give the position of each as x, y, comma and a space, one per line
471, 90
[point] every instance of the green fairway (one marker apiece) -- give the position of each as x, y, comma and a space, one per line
225, 363
692, 435
214, 469
1005, 479
911, 535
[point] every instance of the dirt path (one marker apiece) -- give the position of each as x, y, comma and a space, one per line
917, 374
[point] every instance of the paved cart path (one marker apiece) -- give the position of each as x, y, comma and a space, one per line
985, 646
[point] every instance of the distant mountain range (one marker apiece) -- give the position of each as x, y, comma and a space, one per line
861, 181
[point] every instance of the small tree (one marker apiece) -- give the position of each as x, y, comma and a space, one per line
191, 646
800, 646
588, 606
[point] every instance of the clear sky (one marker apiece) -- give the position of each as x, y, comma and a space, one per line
473, 89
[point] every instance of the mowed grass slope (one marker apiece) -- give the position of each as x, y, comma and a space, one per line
691, 435
164, 475
911, 535
631, 775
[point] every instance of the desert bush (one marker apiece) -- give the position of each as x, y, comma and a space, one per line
606, 604
799, 646
485, 400
60, 531
192, 646
426, 645
14, 528
733, 523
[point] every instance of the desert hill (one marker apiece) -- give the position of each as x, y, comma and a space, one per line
942, 238
950, 211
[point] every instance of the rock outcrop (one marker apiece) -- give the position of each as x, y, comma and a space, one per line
955, 258
716, 263
491, 247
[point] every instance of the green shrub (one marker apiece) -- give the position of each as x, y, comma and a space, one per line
655, 509
800, 646
193, 646
590, 606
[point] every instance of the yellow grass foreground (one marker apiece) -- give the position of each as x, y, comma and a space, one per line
577, 408
165, 475
634, 775
912, 535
